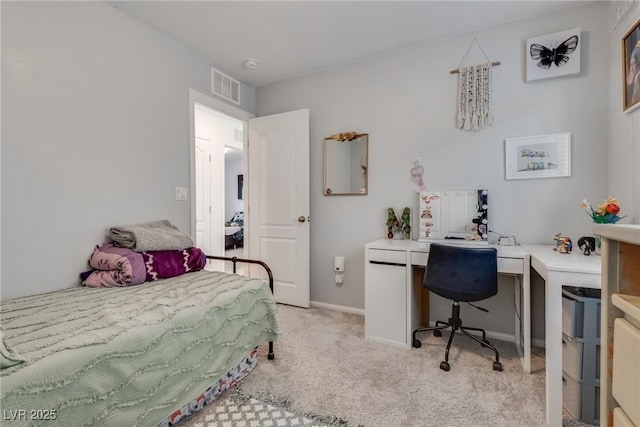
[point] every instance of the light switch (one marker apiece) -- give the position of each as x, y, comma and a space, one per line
182, 193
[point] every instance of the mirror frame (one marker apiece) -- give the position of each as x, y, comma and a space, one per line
345, 138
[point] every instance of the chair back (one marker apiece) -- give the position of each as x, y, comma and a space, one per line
462, 273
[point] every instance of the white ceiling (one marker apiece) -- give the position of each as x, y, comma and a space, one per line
293, 38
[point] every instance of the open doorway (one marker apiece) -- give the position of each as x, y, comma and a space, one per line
218, 182
234, 200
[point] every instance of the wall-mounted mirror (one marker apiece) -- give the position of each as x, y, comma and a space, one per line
454, 214
346, 164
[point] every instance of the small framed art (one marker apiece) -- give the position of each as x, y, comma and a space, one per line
240, 187
544, 156
553, 55
631, 68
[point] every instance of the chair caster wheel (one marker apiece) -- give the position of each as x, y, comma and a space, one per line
497, 366
437, 333
445, 366
271, 356
417, 344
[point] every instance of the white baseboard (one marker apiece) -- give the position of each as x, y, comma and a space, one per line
334, 307
491, 334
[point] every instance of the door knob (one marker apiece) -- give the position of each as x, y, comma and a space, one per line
301, 218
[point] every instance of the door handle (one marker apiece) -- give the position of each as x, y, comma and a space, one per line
301, 218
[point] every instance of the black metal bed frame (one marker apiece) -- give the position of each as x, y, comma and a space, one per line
234, 260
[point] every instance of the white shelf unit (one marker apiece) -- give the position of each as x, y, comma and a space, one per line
620, 329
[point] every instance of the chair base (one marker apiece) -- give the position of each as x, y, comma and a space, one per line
455, 324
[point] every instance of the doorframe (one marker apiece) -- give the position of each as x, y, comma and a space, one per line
231, 111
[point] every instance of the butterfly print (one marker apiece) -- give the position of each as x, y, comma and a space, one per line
558, 55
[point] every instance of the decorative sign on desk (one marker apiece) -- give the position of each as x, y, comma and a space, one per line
454, 214
399, 228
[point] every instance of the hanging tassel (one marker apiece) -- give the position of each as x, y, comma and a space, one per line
474, 97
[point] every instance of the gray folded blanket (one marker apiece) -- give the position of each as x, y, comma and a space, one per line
152, 236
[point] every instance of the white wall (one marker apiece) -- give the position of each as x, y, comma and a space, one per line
95, 133
624, 130
406, 102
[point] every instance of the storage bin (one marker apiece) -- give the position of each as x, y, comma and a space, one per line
581, 314
581, 400
579, 360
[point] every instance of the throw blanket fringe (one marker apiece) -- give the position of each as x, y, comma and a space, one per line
152, 236
285, 403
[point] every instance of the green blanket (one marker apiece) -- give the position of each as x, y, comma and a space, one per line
128, 356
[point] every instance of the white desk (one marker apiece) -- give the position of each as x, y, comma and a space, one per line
559, 270
393, 293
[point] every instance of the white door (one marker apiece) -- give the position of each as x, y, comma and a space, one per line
203, 199
208, 182
278, 201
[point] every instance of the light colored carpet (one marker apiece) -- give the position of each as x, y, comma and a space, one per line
323, 365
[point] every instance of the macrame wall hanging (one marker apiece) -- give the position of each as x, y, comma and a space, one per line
474, 93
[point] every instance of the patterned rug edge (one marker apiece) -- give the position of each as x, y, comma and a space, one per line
240, 396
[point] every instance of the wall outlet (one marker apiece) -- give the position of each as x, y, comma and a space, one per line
182, 193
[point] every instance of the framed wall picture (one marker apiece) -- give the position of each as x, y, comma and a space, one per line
544, 156
240, 187
553, 55
631, 68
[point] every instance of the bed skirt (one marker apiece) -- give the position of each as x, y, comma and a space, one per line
233, 376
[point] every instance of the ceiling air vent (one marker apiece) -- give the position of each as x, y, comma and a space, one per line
224, 86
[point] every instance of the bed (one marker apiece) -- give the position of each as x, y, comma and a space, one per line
233, 236
234, 231
144, 355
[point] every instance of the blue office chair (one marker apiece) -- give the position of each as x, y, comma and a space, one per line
461, 274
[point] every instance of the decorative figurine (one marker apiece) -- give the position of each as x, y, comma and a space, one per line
587, 244
563, 244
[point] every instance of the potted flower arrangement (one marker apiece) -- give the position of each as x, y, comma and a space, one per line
606, 213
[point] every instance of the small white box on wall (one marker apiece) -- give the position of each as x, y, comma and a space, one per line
553, 55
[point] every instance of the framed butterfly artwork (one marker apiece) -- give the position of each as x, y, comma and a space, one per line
553, 55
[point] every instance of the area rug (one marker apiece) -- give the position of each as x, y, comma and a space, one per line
238, 409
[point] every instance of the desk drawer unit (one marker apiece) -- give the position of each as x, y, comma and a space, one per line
388, 256
419, 258
385, 296
510, 265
